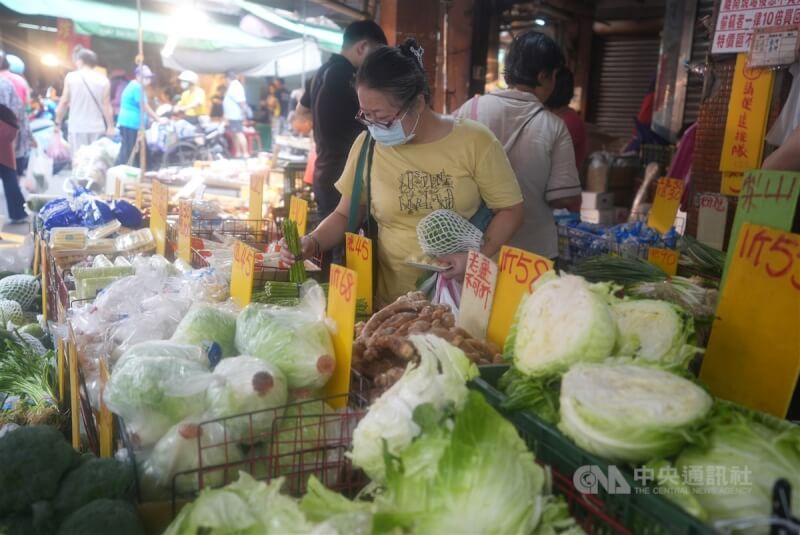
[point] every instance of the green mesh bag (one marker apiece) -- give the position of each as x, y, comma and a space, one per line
445, 232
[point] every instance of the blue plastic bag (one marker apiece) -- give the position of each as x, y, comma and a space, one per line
59, 213
127, 214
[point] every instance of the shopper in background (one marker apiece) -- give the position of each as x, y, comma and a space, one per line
193, 99
8, 132
558, 103
284, 99
12, 68
25, 139
333, 103
235, 111
536, 141
787, 156
119, 80
422, 162
130, 114
87, 98
217, 111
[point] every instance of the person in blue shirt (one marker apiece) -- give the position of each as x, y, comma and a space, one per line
130, 119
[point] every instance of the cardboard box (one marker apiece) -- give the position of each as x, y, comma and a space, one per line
598, 217
594, 200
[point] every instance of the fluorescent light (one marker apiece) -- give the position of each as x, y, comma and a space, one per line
28, 26
539, 21
50, 60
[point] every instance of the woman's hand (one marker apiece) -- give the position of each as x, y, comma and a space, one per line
458, 265
307, 250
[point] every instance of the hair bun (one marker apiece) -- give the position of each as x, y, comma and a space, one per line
412, 49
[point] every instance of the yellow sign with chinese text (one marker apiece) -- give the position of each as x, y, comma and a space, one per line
158, 216
753, 356
358, 257
665, 206
731, 183
342, 310
185, 230
748, 112
518, 270
666, 259
256, 200
298, 212
242, 273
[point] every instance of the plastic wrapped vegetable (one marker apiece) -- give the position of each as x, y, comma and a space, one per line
178, 451
154, 393
167, 348
208, 323
296, 339
246, 385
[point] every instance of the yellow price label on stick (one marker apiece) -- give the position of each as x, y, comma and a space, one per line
298, 212
358, 256
665, 206
342, 295
185, 230
243, 273
666, 259
753, 356
158, 216
256, 200
518, 271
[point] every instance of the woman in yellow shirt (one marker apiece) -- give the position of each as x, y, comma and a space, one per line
423, 161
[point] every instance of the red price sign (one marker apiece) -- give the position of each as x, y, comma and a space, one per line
666, 259
242, 272
477, 295
753, 356
519, 270
342, 310
359, 258
185, 231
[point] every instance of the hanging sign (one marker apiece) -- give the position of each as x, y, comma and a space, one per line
358, 256
256, 200
158, 216
748, 111
753, 356
712, 215
767, 198
665, 205
298, 212
666, 259
477, 295
185, 230
242, 273
342, 295
773, 47
737, 19
518, 270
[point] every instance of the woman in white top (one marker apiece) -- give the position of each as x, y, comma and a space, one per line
536, 141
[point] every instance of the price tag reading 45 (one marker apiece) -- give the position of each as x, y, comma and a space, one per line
518, 271
185, 231
358, 254
242, 273
158, 216
298, 212
342, 310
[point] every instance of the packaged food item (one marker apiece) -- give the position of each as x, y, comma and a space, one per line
105, 231
138, 241
69, 238
102, 246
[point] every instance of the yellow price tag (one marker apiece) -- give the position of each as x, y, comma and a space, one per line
518, 270
477, 295
45, 280
665, 206
298, 212
139, 197
37, 253
185, 230
74, 389
158, 216
117, 188
105, 422
753, 356
666, 259
731, 183
242, 273
256, 200
358, 255
342, 310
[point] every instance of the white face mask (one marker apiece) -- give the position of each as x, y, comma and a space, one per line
184, 85
395, 134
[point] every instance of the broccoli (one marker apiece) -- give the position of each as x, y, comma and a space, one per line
92, 479
102, 517
34, 460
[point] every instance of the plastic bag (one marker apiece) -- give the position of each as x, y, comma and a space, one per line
57, 149
59, 213
18, 258
178, 451
208, 323
127, 214
296, 339
447, 292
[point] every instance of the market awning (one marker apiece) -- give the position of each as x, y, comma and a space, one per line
327, 38
118, 22
283, 58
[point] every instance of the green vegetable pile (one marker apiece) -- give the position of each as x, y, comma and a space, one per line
50, 488
27, 381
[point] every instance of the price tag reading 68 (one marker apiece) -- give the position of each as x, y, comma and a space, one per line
342, 310
242, 271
